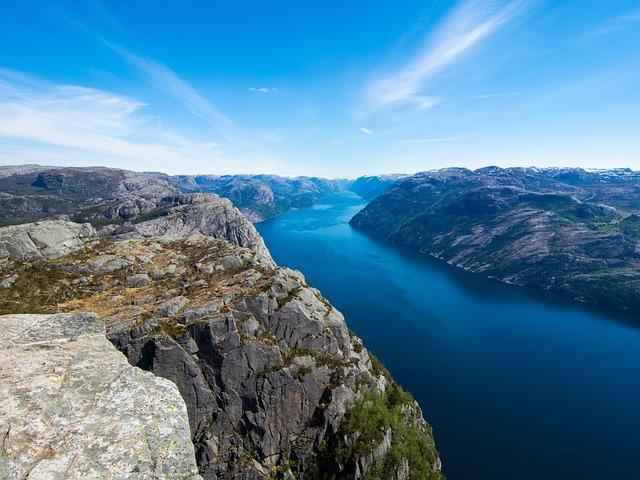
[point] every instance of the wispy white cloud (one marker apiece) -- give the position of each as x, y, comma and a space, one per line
431, 140
366, 131
492, 95
272, 137
470, 22
152, 71
74, 125
165, 79
262, 89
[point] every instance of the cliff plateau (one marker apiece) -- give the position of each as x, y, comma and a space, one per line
274, 383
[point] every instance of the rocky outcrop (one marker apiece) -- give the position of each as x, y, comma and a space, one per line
94, 194
543, 228
271, 377
43, 240
71, 407
266, 366
204, 214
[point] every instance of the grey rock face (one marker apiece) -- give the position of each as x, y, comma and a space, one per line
198, 214
96, 194
44, 240
138, 280
71, 407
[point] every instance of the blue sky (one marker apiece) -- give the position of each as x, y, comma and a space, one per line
327, 88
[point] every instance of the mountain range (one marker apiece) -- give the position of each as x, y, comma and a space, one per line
570, 231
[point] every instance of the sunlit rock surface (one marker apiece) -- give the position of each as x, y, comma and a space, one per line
72, 407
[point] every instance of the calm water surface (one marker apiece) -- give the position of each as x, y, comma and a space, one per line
517, 384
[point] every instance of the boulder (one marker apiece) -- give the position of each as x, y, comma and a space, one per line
46, 240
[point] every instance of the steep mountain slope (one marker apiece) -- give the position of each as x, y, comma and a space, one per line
566, 230
110, 196
275, 385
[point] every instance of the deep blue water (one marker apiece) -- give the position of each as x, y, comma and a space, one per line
517, 384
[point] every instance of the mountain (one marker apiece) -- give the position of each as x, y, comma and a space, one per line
571, 231
260, 196
94, 194
371, 186
106, 195
274, 383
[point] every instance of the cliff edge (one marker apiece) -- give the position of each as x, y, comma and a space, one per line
274, 383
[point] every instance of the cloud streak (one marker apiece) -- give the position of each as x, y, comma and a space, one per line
470, 22
616, 23
68, 124
153, 72
262, 89
165, 79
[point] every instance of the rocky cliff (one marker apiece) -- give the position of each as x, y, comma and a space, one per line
186, 215
71, 407
567, 230
43, 240
274, 383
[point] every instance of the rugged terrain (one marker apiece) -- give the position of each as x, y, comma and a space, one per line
274, 383
105, 196
567, 230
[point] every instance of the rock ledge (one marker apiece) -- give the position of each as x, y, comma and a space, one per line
72, 407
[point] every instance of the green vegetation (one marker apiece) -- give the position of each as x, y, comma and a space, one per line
377, 368
172, 328
37, 289
304, 370
367, 423
291, 294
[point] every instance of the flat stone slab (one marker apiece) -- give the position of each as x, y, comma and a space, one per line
72, 407
48, 239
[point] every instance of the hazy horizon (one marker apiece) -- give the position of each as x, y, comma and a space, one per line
370, 174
